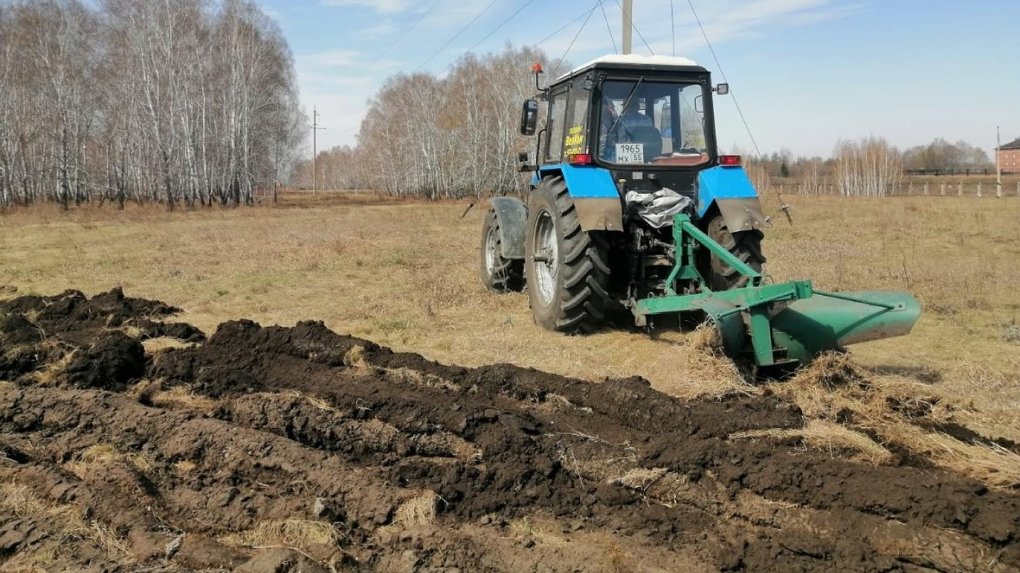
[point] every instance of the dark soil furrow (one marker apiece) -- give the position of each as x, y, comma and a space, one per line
307, 448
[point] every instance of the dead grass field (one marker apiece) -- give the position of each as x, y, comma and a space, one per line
405, 275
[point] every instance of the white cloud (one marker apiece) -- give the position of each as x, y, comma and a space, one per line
330, 59
382, 6
723, 20
378, 31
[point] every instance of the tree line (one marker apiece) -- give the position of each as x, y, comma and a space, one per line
440, 137
872, 166
166, 101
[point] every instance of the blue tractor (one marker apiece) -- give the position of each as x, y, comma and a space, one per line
632, 208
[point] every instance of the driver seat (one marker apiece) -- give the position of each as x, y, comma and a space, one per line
648, 137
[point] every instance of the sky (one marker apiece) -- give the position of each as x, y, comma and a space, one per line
805, 73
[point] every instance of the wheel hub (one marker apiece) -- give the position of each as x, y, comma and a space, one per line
546, 257
490, 251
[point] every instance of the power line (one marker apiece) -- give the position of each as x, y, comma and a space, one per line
608, 27
579, 30
406, 33
501, 24
723, 74
491, 32
563, 27
672, 26
455, 36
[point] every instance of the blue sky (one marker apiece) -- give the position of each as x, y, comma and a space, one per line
806, 73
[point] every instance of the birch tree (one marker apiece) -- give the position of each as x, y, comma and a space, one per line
176, 102
867, 167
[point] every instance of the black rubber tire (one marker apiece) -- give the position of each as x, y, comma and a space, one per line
503, 275
746, 245
579, 298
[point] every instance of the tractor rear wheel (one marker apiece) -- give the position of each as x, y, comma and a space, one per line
746, 245
498, 274
566, 267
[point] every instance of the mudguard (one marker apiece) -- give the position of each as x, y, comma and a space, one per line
598, 203
512, 216
731, 191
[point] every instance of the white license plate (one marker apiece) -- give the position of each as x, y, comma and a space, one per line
630, 153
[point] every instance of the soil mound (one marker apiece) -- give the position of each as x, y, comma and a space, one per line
298, 448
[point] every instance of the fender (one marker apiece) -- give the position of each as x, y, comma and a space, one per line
512, 216
598, 203
731, 191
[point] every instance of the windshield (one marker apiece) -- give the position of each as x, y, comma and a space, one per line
652, 122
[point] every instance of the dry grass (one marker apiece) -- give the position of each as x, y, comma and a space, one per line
94, 460
849, 408
405, 275
355, 358
160, 343
66, 523
836, 439
307, 536
185, 467
418, 511
640, 478
417, 378
50, 374
181, 397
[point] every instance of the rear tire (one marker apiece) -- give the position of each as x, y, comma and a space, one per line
498, 274
567, 268
746, 245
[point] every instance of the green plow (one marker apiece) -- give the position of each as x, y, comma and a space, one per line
775, 325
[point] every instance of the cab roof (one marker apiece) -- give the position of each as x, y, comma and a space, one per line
637, 62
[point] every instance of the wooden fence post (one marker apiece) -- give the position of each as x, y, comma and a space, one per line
942, 190
959, 189
978, 189
926, 189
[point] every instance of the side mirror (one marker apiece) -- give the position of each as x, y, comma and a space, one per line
529, 117
722, 89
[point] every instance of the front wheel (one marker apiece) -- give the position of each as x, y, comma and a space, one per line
498, 273
746, 245
566, 266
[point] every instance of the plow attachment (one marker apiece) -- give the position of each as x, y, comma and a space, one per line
776, 324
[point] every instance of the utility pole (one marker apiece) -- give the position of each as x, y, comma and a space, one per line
628, 24
315, 150
998, 166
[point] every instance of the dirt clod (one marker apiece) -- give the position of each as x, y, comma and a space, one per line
110, 364
301, 449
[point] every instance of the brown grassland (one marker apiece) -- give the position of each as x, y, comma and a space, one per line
404, 274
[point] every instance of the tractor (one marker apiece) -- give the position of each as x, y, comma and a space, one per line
632, 209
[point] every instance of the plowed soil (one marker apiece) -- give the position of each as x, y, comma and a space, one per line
300, 449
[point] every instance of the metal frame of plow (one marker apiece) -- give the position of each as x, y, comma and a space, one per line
775, 324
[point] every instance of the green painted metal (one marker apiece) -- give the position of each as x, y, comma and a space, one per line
777, 323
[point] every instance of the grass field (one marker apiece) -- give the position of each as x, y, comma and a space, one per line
405, 275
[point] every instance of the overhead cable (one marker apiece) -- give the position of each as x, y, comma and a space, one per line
455, 36
723, 74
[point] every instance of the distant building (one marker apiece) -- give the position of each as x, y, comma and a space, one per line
1008, 157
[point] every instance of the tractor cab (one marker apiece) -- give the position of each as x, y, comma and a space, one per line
648, 121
